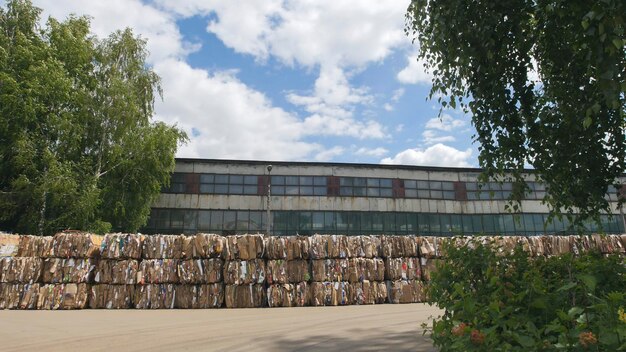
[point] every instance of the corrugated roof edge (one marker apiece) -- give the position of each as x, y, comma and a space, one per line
357, 165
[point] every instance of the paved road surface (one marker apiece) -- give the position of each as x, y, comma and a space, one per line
352, 328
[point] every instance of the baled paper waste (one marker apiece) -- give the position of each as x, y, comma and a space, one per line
121, 246
329, 270
158, 271
405, 291
105, 296
162, 246
155, 296
118, 272
245, 296
403, 268
200, 271
199, 296
62, 296
18, 296
71, 270
203, 245
288, 295
287, 271
244, 272
20, 269
244, 247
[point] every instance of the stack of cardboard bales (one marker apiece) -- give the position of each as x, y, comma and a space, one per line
244, 271
19, 276
68, 267
200, 272
402, 269
287, 271
366, 270
158, 271
329, 271
117, 271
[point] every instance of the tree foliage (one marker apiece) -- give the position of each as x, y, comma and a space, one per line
569, 123
78, 148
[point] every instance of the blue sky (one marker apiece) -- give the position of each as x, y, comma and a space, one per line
317, 80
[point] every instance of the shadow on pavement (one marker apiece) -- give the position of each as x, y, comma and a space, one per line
358, 340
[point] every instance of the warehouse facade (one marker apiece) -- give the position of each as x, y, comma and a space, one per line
231, 196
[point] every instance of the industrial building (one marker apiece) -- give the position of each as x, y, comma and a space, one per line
231, 196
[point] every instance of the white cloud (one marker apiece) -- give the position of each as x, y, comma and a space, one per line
164, 38
388, 107
233, 120
375, 152
331, 106
436, 155
309, 33
415, 72
431, 137
397, 94
329, 154
445, 123
400, 128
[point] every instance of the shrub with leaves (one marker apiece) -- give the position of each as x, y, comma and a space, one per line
495, 301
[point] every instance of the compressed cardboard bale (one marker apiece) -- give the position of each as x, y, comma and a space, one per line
375, 292
287, 271
556, 245
298, 247
244, 272
405, 291
287, 247
121, 246
117, 272
399, 246
158, 271
245, 296
403, 268
62, 296
536, 246
429, 266
20, 269
430, 246
200, 271
33, 246
331, 293
369, 292
355, 246
244, 247
71, 270
155, 296
9, 244
105, 296
329, 270
328, 247
607, 244
288, 295
162, 246
18, 296
74, 245
203, 245
199, 296
276, 247
372, 246
360, 269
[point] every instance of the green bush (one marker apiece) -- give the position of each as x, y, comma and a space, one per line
495, 301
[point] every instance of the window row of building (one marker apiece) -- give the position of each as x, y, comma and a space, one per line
233, 184
358, 223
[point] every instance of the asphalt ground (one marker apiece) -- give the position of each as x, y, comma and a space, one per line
384, 327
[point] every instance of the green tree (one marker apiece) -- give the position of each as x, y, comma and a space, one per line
78, 148
569, 125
